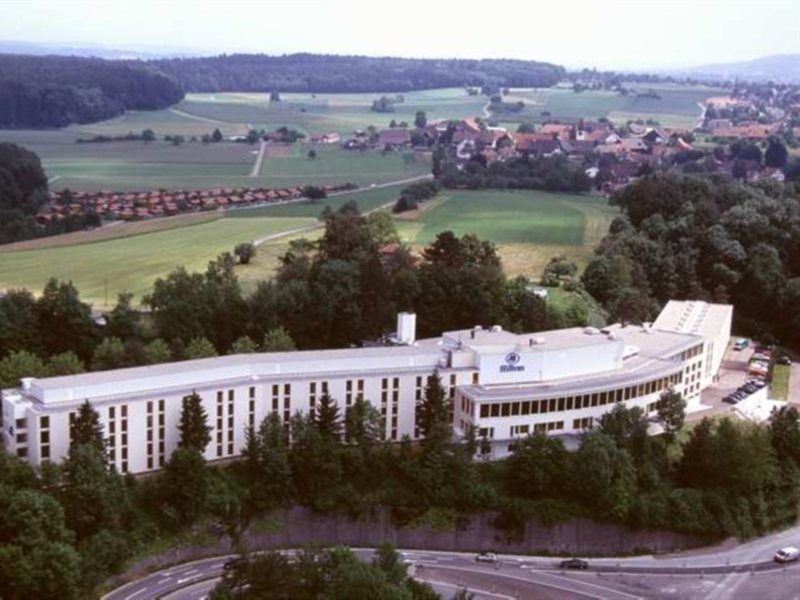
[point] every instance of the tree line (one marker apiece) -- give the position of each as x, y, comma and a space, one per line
703, 238
550, 173
23, 191
329, 73
55, 91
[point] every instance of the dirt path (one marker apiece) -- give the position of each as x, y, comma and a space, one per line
259, 159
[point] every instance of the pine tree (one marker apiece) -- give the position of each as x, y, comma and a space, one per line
194, 429
327, 419
434, 421
86, 429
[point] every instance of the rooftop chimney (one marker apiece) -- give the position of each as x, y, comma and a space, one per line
406, 328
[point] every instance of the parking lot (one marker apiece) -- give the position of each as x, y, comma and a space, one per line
732, 374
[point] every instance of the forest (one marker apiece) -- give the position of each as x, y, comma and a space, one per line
705, 238
23, 190
55, 91
329, 73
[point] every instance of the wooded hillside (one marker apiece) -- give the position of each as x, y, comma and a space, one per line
54, 91
327, 73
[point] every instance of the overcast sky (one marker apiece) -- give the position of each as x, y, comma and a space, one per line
619, 35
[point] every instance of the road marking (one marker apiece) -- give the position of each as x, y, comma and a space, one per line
185, 579
136, 593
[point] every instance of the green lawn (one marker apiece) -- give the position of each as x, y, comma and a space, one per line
529, 227
503, 217
779, 388
101, 270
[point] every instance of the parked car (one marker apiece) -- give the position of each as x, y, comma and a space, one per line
741, 344
729, 399
574, 563
787, 554
757, 383
749, 388
784, 360
761, 356
487, 557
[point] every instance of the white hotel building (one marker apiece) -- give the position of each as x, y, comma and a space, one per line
505, 384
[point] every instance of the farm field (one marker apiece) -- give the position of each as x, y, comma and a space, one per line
130, 256
136, 166
678, 106
103, 269
529, 227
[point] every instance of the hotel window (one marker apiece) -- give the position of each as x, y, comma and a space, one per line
520, 429
495, 410
275, 389
506, 409
476, 377
484, 411
561, 403
526, 407
348, 392
486, 432
514, 409
552, 405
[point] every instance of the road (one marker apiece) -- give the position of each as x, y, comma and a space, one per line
259, 159
290, 232
524, 576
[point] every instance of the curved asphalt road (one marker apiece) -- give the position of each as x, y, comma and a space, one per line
527, 576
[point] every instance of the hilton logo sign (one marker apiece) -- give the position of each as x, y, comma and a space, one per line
512, 363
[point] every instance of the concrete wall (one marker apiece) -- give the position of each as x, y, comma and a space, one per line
299, 526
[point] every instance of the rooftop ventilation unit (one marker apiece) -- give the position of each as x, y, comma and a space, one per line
496, 328
591, 331
536, 341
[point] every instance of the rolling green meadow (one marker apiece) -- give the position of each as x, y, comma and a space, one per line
102, 266
529, 227
678, 106
101, 270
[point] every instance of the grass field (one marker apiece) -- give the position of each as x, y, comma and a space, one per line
123, 166
130, 256
779, 388
103, 269
529, 227
678, 106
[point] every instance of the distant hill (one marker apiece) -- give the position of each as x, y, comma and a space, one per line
55, 91
783, 68
330, 73
92, 51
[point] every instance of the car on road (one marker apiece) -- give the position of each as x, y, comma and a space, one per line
486, 557
574, 563
787, 554
234, 563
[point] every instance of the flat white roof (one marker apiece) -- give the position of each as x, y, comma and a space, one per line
696, 317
